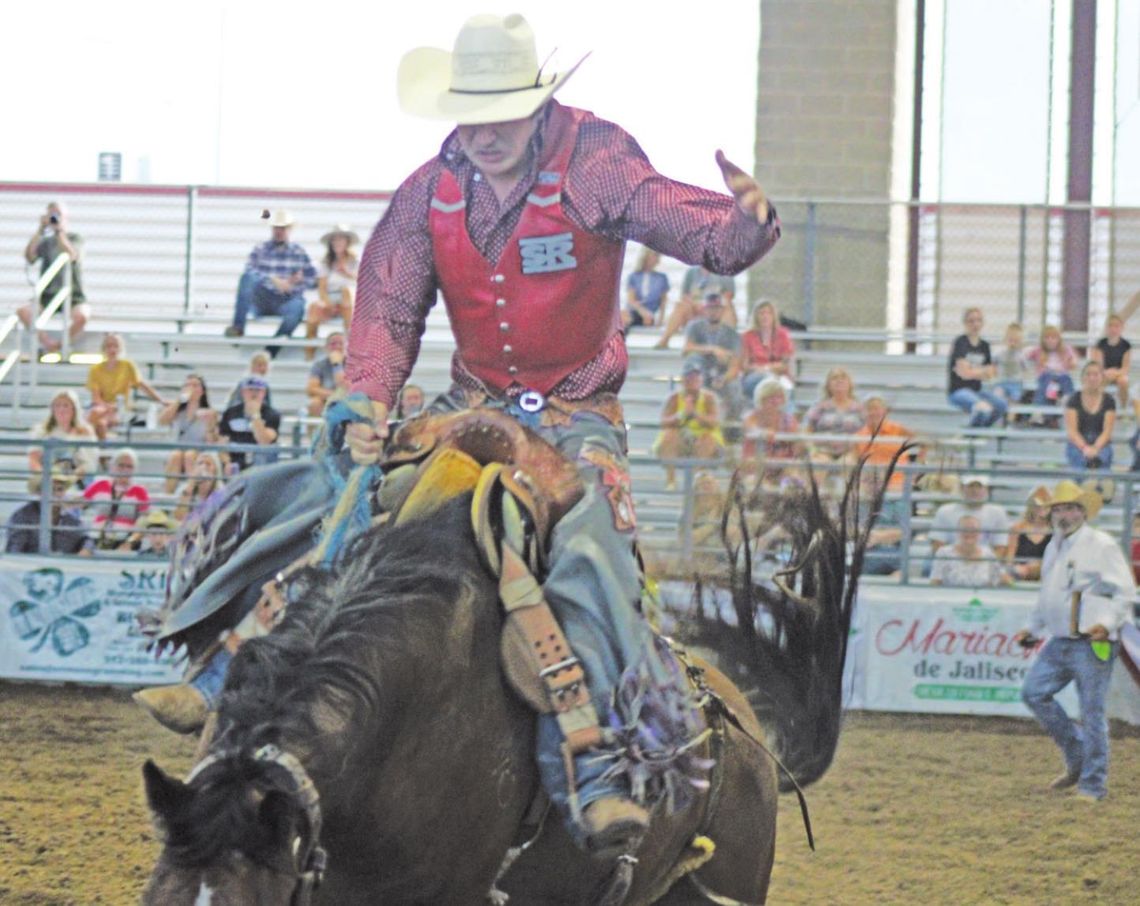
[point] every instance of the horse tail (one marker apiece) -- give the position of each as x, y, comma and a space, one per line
789, 642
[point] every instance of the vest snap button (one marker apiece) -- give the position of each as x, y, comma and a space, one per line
498, 278
513, 370
504, 326
500, 303
507, 350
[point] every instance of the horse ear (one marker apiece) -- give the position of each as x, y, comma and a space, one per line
166, 795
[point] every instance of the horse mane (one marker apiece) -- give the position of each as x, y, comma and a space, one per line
323, 672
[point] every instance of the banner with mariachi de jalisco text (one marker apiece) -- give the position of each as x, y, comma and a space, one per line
73, 620
951, 650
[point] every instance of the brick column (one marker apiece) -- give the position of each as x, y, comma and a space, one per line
823, 130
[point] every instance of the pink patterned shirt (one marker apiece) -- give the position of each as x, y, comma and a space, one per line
610, 189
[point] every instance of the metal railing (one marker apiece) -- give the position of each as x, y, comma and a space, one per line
1117, 518
53, 449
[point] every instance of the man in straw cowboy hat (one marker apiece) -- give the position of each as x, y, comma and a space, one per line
68, 535
1085, 598
274, 281
520, 221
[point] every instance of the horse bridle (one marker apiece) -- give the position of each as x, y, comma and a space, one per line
309, 857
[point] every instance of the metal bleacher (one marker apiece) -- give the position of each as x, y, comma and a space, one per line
160, 267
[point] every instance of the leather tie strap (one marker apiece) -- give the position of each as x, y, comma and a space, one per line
560, 672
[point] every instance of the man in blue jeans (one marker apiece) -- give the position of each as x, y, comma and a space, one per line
274, 282
970, 364
1085, 598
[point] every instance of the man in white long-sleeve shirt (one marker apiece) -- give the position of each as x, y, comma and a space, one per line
1085, 598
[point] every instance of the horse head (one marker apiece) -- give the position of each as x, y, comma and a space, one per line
242, 830
384, 681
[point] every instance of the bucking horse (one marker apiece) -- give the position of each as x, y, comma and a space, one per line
372, 749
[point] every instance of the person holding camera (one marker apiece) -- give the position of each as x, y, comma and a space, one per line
48, 242
1084, 600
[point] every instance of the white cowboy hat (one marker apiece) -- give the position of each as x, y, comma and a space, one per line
491, 76
281, 218
341, 229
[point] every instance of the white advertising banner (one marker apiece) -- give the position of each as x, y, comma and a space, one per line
951, 651
74, 620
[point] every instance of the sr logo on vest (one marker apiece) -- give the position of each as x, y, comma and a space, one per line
543, 254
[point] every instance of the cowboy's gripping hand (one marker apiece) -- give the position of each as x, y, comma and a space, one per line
750, 197
366, 439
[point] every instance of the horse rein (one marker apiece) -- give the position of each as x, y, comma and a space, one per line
309, 858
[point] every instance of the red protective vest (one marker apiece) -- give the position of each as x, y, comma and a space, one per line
550, 303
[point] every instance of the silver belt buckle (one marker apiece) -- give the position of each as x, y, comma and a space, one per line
531, 401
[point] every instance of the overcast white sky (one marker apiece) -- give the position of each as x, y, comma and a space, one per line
306, 91
289, 94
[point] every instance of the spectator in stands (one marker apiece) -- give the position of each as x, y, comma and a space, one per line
763, 455
111, 383
967, 563
259, 364
51, 239
115, 502
883, 555
154, 530
970, 364
1090, 416
192, 421
274, 282
1115, 355
411, 401
1134, 445
992, 519
697, 282
1029, 536
67, 534
202, 482
326, 377
63, 423
837, 412
1134, 548
1014, 370
336, 283
767, 350
646, 293
252, 421
1054, 360
717, 347
690, 422
880, 449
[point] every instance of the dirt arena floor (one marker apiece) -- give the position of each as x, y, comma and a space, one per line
914, 810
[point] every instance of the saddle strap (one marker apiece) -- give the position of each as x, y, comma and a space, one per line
533, 640
536, 656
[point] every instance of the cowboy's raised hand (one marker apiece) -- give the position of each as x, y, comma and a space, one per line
750, 198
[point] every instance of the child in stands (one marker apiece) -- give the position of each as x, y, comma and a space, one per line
1054, 360
1115, 354
1014, 370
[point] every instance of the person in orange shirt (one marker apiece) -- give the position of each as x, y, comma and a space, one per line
878, 453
